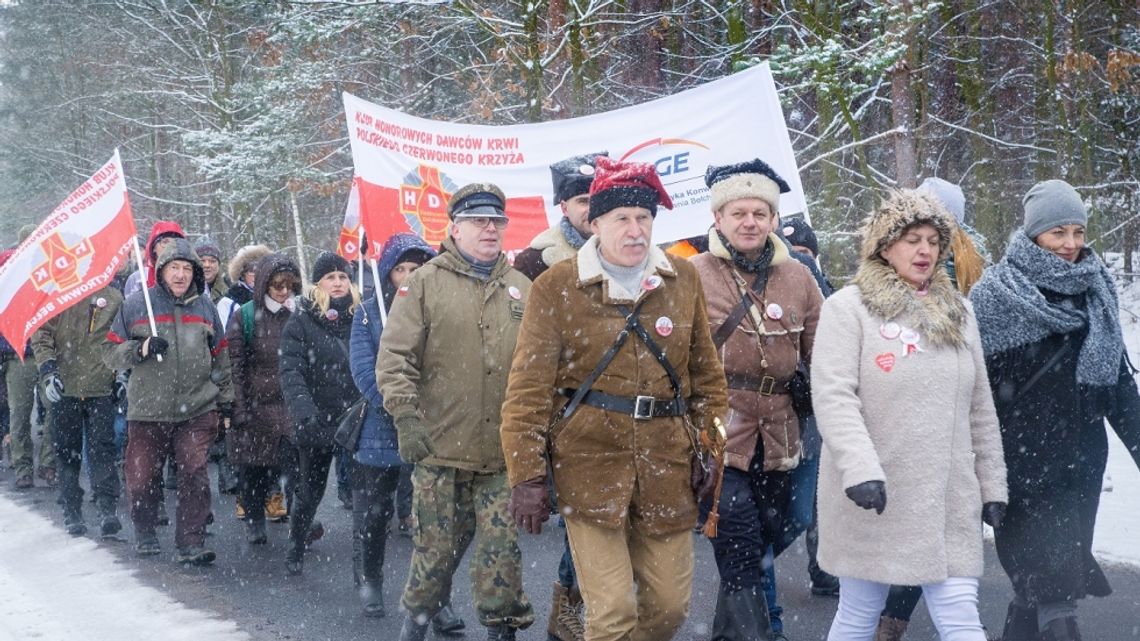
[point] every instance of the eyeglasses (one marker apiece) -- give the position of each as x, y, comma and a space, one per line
481, 222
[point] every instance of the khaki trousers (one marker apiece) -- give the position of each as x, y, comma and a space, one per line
636, 587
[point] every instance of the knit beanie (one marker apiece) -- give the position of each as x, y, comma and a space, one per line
949, 194
626, 184
799, 232
1050, 204
750, 179
204, 246
328, 263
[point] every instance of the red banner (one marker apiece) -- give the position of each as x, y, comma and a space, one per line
75, 252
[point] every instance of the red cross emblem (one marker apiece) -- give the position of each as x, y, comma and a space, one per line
62, 265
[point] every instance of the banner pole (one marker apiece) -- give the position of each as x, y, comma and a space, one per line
360, 255
146, 292
379, 292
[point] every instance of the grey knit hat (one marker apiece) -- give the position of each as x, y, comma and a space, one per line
949, 194
1052, 203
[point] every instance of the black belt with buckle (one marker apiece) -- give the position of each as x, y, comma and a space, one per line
641, 408
766, 385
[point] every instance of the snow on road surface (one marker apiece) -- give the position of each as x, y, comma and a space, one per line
60, 588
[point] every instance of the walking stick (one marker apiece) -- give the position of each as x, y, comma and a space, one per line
715, 444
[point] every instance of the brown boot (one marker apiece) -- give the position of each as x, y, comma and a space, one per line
890, 629
565, 624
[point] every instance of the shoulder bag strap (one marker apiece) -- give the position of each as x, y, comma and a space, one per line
674, 379
607, 358
737, 315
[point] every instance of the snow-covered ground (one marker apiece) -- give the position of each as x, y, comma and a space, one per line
59, 588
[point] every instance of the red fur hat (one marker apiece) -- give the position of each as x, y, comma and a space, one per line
626, 184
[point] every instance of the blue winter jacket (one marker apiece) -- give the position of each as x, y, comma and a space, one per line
377, 446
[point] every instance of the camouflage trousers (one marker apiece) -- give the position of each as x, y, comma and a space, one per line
452, 507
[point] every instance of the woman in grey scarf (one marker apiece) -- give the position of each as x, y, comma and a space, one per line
1051, 334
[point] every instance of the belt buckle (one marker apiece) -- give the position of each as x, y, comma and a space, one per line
767, 385
643, 408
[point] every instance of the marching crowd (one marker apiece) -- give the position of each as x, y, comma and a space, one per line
634, 391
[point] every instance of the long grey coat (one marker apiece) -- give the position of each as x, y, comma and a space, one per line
924, 423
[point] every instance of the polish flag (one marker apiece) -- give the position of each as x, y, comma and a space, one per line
348, 246
76, 251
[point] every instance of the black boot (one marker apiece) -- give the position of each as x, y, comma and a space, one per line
295, 560
445, 622
372, 598
1061, 630
741, 616
500, 633
370, 576
1020, 623
255, 532
73, 521
412, 630
227, 478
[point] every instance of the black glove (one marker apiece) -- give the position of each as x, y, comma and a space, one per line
869, 495
155, 345
993, 513
119, 388
309, 433
414, 442
702, 481
53, 387
530, 504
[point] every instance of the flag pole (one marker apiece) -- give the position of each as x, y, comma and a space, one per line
360, 254
146, 292
379, 292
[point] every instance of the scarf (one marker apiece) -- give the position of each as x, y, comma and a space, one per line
938, 317
629, 278
750, 265
1012, 311
571, 234
480, 269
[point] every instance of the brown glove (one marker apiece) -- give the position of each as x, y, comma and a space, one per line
530, 504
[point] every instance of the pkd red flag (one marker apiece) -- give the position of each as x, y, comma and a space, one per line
348, 245
73, 253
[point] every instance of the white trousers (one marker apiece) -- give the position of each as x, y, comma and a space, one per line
953, 606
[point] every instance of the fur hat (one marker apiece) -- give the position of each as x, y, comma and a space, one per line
205, 246
477, 199
901, 210
572, 177
626, 184
246, 259
1052, 203
327, 263
750, 179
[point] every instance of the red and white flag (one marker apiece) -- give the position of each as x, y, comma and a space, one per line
76, 251
348, 246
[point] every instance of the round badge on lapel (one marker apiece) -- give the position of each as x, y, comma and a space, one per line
651, 283
514, 292
332, 314
664, 326
100, 302
774, 311
890, 330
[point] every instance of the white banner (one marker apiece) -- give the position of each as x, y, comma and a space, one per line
409, 166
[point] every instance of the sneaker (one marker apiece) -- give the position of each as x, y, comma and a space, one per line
25, 482
148, 546
239, 511
275, 509
195, 555
110, 526
75, 525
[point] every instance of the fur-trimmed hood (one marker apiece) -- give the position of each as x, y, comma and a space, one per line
250, 254
590, 271
553, 245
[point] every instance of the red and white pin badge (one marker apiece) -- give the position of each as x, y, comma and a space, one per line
664, 326
890, 330
514, 292
403, 291
100, 302
651, 283
774, 311
332, 314
885, 361
910, 338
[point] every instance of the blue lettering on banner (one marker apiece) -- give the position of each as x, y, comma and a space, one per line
671, 165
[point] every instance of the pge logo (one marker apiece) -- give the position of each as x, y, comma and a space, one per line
672, 157
423, 202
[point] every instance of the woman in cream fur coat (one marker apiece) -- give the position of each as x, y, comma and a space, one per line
905, 411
